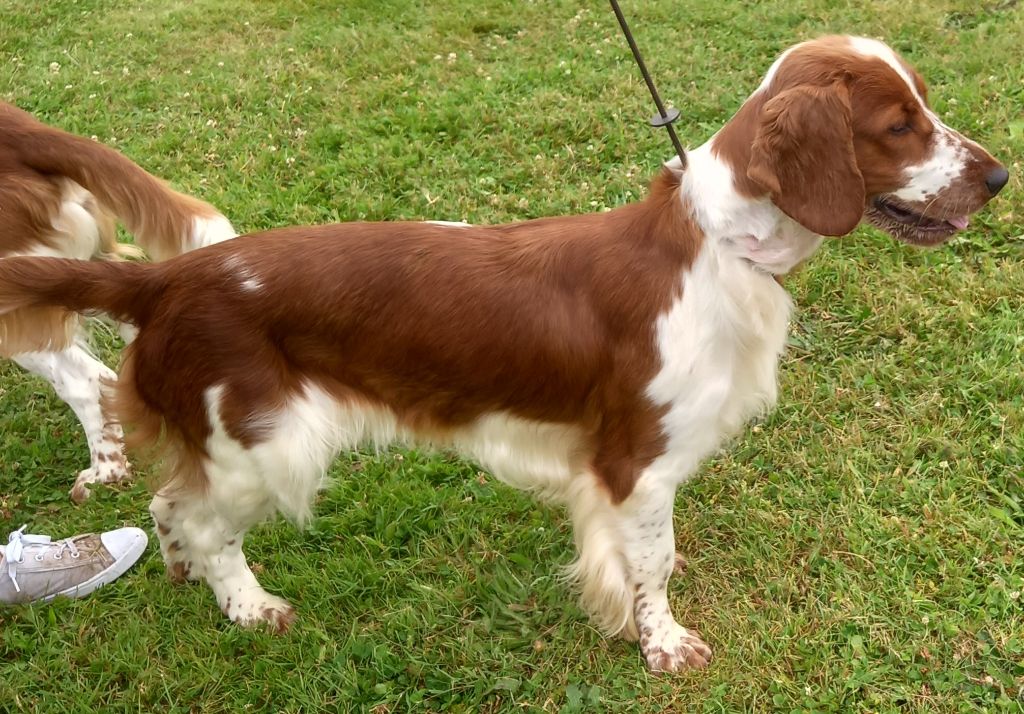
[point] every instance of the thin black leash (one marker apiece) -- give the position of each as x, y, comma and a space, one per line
665, 116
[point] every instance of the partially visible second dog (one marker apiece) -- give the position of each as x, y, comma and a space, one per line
61, 195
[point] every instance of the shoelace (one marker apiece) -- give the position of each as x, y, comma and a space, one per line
15, 554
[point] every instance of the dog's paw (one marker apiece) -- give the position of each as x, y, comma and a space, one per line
181, 566
183, 571
109, 472
260, 608
675, 650
80, 491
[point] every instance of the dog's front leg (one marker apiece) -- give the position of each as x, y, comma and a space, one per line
77, 378
649, 549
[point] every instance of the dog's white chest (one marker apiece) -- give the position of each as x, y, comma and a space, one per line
720, 344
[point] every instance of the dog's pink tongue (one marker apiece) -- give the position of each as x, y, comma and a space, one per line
958, 222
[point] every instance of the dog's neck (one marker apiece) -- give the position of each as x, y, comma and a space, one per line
736, 225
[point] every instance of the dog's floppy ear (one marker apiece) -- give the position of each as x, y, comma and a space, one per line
803, 156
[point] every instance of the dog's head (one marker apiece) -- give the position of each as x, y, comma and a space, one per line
840, 130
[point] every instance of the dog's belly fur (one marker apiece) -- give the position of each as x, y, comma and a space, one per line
304, 437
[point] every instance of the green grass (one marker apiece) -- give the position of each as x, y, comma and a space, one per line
859, 550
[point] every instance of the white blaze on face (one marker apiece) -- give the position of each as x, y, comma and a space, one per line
941, 167
948, 155
874, 48
774, 69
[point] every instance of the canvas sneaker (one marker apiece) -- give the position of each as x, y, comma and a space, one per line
35, 568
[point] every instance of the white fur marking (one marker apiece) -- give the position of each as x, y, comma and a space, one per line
240, 269
875, 48
941, 167
75, 231
719, 344
306, 436
207, 230
774, 69
750, 228
450, 224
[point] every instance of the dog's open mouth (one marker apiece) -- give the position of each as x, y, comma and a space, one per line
906, 224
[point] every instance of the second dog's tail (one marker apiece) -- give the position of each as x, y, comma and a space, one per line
164, 222
124, 290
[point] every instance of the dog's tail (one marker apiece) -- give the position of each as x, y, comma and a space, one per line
164, 222
61, 287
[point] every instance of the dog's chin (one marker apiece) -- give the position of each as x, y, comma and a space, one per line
905, 224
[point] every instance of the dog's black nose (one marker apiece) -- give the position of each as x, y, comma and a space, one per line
996, 179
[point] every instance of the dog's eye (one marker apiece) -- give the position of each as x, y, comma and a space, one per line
899, 129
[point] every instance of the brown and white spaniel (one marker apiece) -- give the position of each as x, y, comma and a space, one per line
594, 359
61, 195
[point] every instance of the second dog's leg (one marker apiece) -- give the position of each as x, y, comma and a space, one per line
77, 377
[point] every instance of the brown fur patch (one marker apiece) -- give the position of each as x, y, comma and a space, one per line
178, 572
278, 621
576, 299
174, 464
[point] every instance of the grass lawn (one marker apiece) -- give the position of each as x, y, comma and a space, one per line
858, 550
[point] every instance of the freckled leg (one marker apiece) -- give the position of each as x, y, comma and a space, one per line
77, 377
169, 513
201, 537
649, 549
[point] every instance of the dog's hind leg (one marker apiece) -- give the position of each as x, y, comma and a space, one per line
169, 513
215, 536
245, 484
77, 378
201, 534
